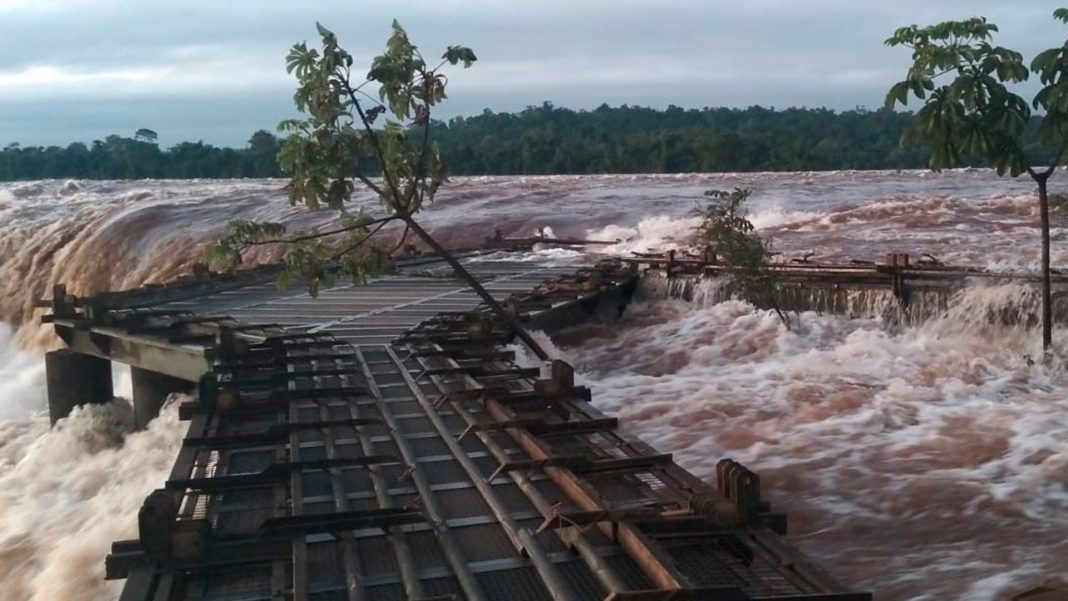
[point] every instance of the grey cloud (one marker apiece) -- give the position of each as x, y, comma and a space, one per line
79, 69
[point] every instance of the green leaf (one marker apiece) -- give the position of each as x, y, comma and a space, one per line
899, 93
456, 54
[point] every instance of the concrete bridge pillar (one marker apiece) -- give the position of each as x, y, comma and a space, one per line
150, 390
75, 379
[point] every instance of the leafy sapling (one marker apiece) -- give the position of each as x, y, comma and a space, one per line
371, 133
726, 232
970, 109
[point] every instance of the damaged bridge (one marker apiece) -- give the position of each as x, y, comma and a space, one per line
391, 441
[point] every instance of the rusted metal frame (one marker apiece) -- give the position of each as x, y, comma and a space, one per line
640, 462
481, 371
289, 368
521, 538
353, 578
295, 504
468, 356
181, 290
256, 407
494, 426
558, 519
703, 500
572, 537
188, 499
257, 351
578, 426
295, 340
165, 585
229, 554
679, 480
143, 584
526, 465
195, 325
277, 376
145, 352
409, 573
472, 589
273, 473
446, 338
264, 397
801, 569
276, 432
281, 581
653, 560
270, 554
186, 462
286, 361
131, 319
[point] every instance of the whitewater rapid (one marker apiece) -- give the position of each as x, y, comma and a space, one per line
928, 463
924, 462
67, 493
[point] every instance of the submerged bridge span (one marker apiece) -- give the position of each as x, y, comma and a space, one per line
388, 442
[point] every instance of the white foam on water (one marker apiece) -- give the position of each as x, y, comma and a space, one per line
22, 380
926, 461
652, 234
777, 215
67, 493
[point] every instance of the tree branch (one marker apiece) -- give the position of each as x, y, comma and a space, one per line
360, 242
1057, 158
363, 178
374, 140
403, 239
370, 184
421, 168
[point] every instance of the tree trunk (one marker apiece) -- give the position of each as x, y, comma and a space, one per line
1047, 296
477, 287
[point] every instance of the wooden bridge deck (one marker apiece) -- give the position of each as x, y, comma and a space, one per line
382, 442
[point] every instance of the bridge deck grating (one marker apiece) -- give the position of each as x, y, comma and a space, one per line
373, 447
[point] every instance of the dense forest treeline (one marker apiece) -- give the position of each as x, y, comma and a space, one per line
543, 140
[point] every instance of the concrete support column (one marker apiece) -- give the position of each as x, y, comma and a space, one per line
150, 390
75, 379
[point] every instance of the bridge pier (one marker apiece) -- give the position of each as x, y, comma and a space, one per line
75, 379
150, 390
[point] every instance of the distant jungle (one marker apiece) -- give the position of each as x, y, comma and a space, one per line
540, 140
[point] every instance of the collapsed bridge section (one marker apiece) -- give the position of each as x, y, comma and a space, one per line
353, 451
899, 290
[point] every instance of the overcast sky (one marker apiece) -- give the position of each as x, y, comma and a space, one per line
213, 70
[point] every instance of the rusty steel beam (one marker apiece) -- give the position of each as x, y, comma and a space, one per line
653, 561
185, 362
572, 537
460, 569
521, 538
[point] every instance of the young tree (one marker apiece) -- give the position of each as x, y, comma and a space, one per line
338, 147
969, 110
726, 231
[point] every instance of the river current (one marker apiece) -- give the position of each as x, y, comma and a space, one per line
922, 462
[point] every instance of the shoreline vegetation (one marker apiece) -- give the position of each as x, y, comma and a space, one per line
544, 140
